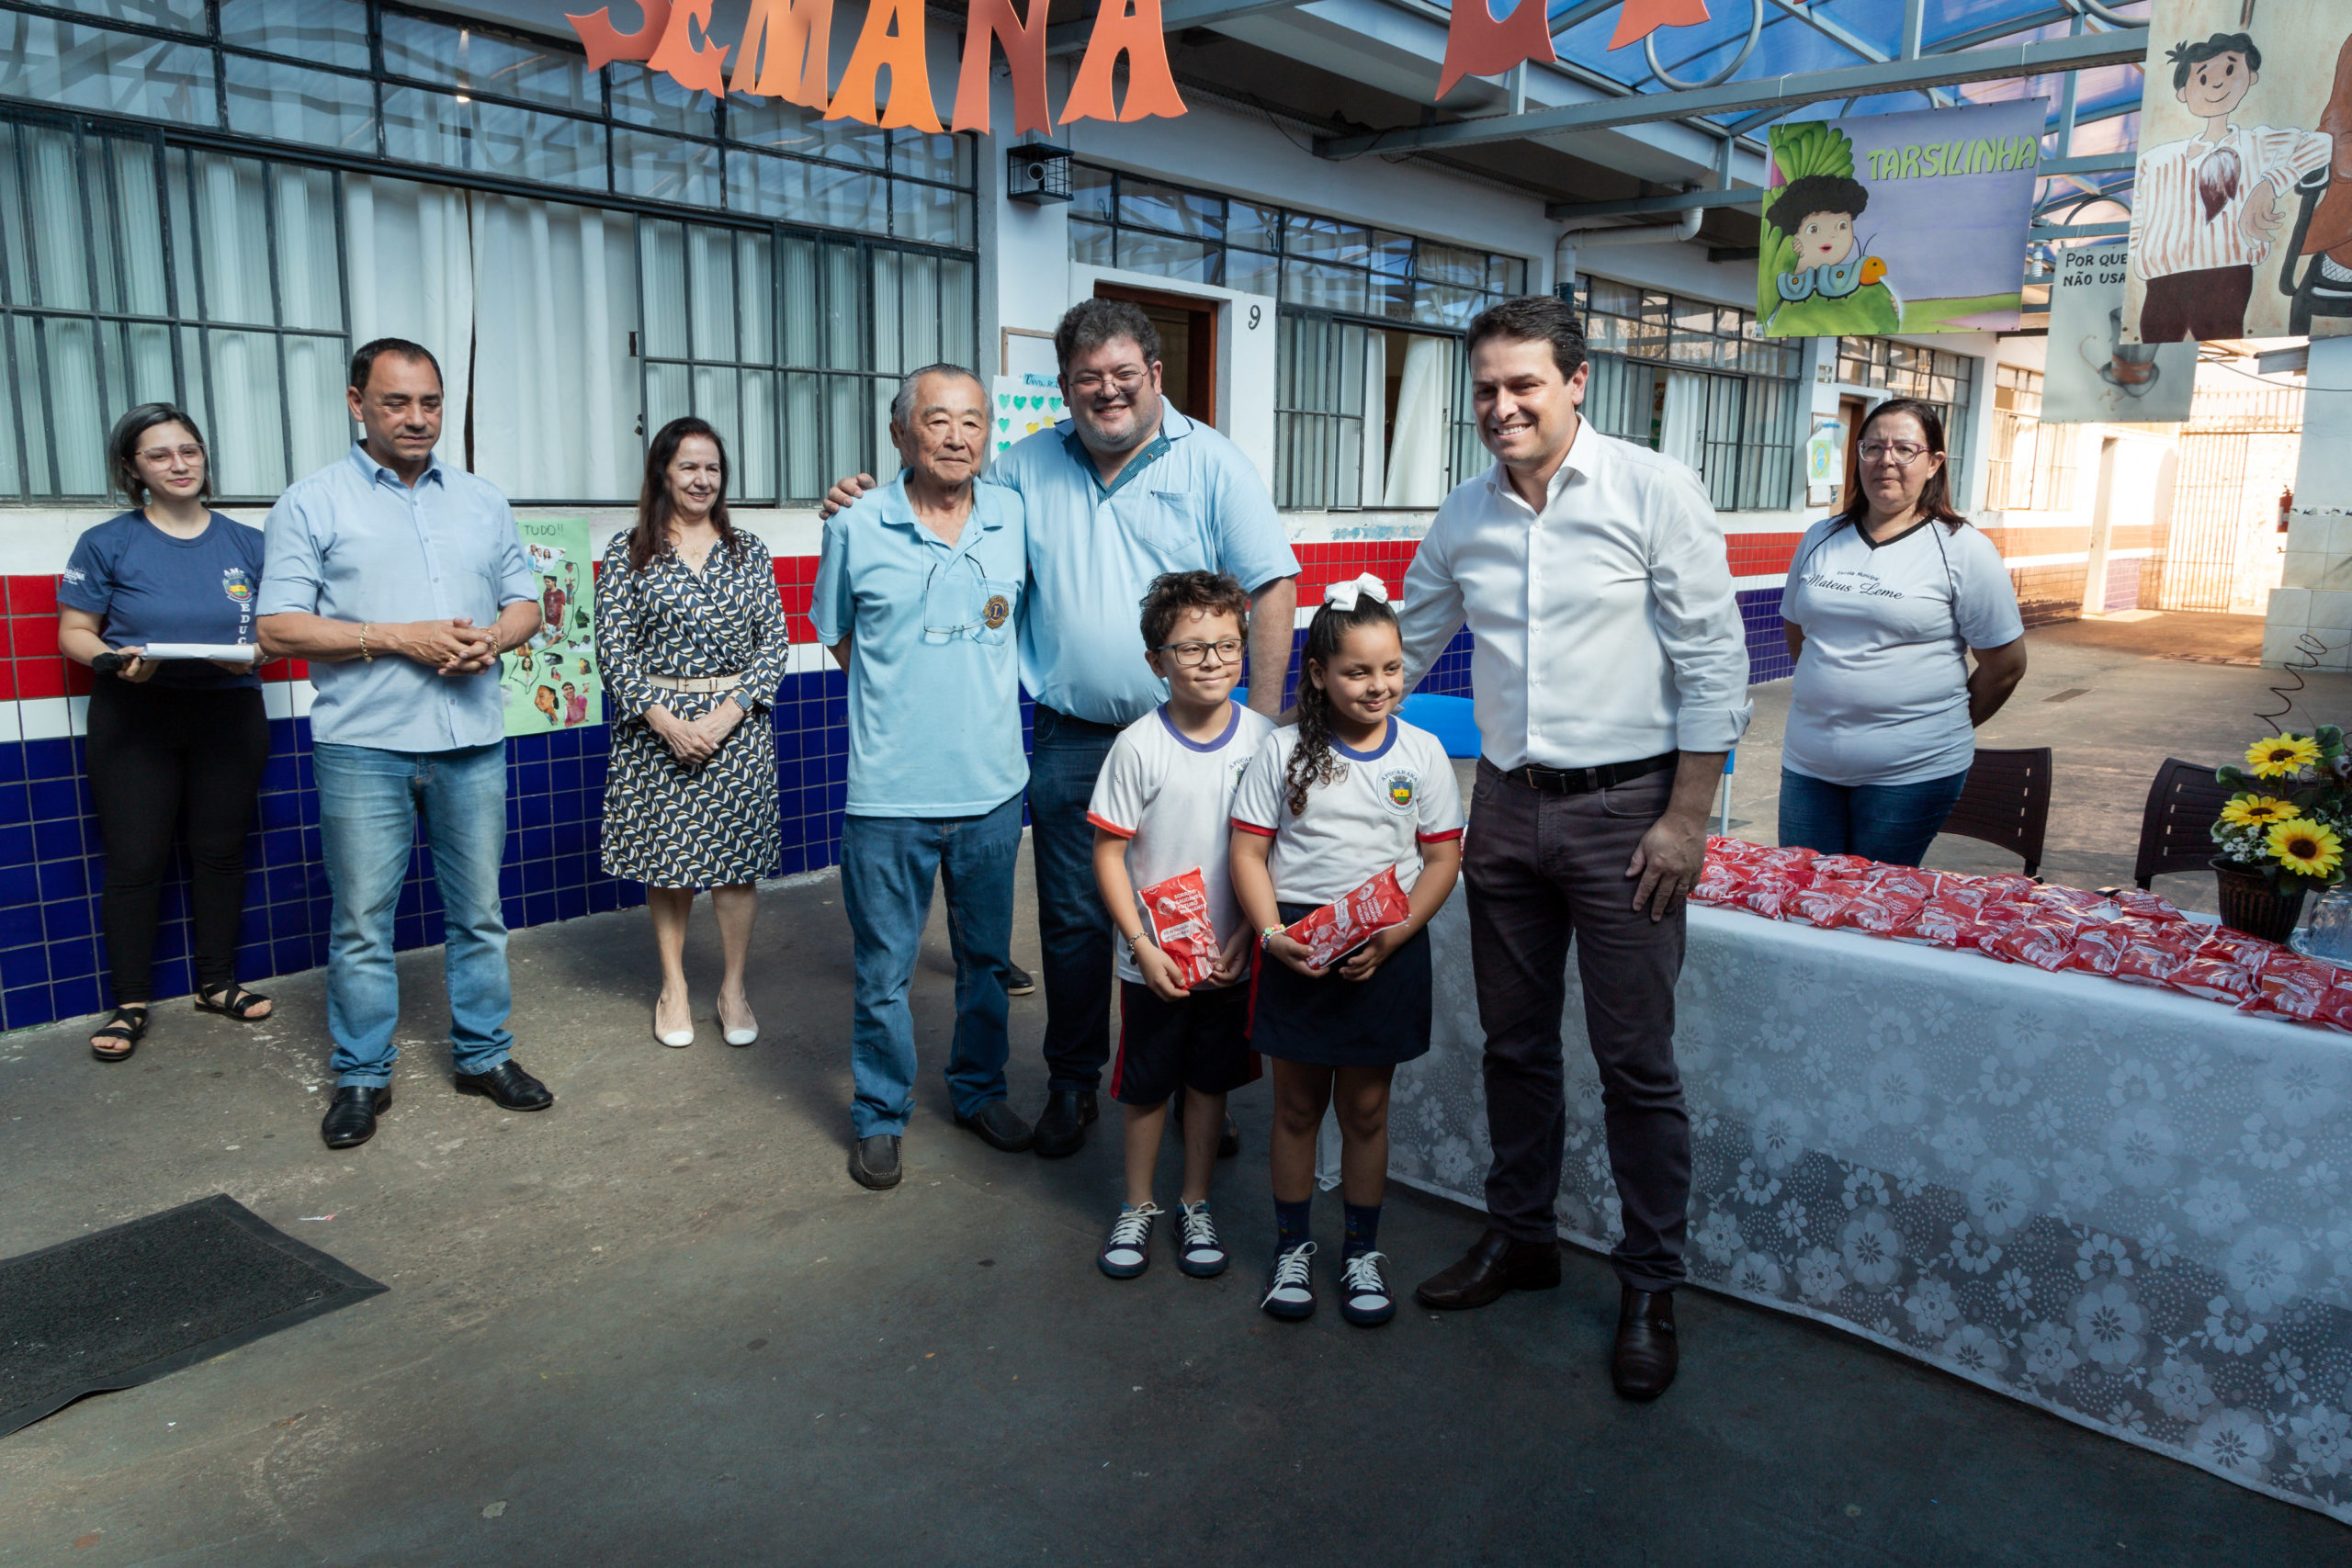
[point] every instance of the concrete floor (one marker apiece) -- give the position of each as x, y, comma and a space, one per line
658, 1325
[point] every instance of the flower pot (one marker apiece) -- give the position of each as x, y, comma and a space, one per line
2251, 904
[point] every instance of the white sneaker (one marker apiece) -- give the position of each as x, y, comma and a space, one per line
1199, 1251
1364, 1300
1290, 1284
1126, 1251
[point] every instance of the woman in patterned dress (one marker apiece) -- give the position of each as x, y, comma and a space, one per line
693, 638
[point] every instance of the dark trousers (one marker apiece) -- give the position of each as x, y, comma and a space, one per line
2196, 306
1073, 928
1544, 870
159, 757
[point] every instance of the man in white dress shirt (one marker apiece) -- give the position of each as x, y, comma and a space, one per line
1610, 677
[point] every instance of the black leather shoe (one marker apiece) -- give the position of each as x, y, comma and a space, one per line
1645, 1356
1019, 982
1000, 1126
350, 1120
874, 1162
1496, 1266
1061, 1131
509, 1085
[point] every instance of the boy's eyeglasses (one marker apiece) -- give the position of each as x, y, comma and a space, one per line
1902, 454
1191, 654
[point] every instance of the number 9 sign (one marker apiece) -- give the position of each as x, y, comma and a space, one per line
1257, 314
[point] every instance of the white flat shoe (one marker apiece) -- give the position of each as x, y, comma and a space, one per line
672, 1037
743, 1036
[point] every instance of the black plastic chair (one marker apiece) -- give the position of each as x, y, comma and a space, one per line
2006, 803
2176, 831
2299, 275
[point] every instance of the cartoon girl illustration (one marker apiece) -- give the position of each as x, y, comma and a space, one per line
1817, 213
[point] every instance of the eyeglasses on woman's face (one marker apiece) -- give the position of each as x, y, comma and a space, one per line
163, 457
1902, 454
1192, 654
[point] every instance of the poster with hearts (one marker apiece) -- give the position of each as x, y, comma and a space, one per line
1025, 405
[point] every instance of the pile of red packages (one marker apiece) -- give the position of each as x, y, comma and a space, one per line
2139, 938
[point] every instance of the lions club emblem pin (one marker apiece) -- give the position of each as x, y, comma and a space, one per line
997, 610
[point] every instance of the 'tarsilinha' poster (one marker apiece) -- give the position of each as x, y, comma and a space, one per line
1899, 222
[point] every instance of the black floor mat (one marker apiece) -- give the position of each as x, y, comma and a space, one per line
128, 1304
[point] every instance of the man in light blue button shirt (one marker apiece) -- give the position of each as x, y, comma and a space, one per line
402, 580
1124, 489
918, 587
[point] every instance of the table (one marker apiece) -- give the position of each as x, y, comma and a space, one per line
2128, 1207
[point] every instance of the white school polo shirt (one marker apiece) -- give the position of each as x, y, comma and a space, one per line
1384, 805
1881, 687
1171, 799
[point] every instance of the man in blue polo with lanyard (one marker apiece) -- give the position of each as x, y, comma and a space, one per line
1124, 489
918, 585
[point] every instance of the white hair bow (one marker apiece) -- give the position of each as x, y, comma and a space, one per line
1343, 596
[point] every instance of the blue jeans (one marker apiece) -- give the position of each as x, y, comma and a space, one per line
1073, 928
1893, 823
369, 800
888, 863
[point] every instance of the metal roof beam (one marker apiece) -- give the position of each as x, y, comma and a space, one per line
2085, 53
1753, 196
1069, 38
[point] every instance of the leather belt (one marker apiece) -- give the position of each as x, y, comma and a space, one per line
1584, 781
694, 683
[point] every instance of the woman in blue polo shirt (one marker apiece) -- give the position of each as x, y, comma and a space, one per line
174, 736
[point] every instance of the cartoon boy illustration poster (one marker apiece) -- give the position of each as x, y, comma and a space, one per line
550, 684
1901, 222
2235, 142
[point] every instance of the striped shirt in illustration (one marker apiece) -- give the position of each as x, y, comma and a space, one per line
2170, 230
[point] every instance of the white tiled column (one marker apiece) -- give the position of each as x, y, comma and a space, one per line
2315, 596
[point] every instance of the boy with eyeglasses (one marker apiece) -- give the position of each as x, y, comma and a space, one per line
1163, 806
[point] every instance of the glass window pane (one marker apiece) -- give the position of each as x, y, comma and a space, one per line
229, 197
1451, 263
930, 214
1506, 275
1440, 305
310, 267
324, 32
788, 128
886, 313
1090, 192
644, 98
248, 430
435, 128
172, 16
1259, 228
49, 256
661, 264
136, 241
665, 170
1090, 244
285, 103
924, 157
1187, 259
1157, 206
1251, 273
1391, 297
668, 395
710, 295
844, 333
316, 369
1327, 239
959, 334
1616, 298
488, 62
1327, 287
67, 64
804, 193
1392, 254
76, 411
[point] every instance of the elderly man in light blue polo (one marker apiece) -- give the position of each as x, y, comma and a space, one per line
1124, 489
402, 580
919, 586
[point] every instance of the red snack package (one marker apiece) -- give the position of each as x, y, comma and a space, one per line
1990, 922
2080, 898
1768, 894
2045, 944
1720, 882
2217, 979
1884, 913
1794, 864
1177, 913
1843, 866
2098, 948
2148, 906
2007, 890
1820, 905
1736, 852
2336, 1008
2149, 955
1905, 881
1339, 929
2248, 953
1966, 891
2291, 985
1944, 922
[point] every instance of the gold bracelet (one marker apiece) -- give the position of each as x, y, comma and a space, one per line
365, 655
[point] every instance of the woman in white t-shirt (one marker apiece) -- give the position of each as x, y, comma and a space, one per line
1886, 602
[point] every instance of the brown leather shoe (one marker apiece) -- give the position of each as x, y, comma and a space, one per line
1645, 1356
1496, 1266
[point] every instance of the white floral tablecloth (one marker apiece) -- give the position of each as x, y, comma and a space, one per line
2120, 1204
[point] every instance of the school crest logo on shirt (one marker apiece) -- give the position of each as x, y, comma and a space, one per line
996, 612
1400, 790
237, 585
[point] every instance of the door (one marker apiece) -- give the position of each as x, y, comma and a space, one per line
1849, 414
1187, 346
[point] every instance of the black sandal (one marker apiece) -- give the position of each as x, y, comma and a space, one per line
235, 1001
128, 1025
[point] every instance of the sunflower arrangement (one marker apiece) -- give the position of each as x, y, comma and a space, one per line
2289, 816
